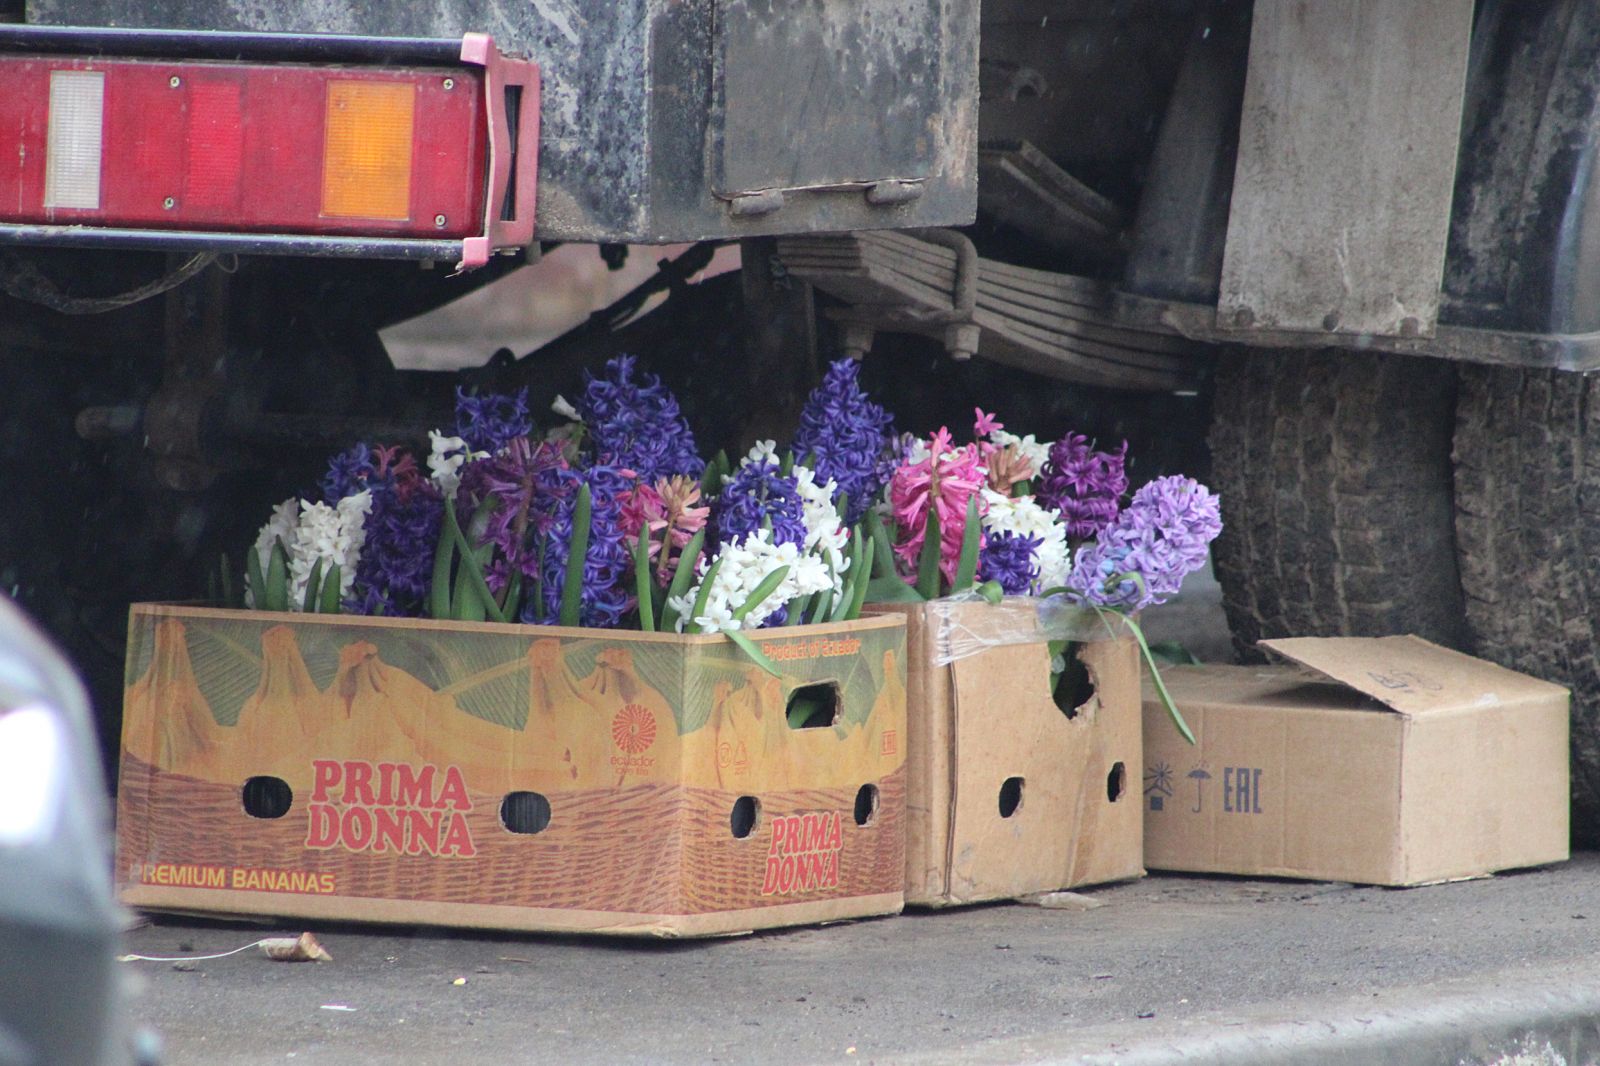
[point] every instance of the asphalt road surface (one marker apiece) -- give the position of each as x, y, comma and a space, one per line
1169, 954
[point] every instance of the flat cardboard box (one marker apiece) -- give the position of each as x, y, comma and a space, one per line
1385, 761
508, 776
983, 730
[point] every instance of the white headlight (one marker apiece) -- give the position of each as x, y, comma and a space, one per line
33, 775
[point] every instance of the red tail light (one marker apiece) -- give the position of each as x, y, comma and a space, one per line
409, 156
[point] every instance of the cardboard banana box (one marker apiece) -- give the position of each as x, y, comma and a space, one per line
507, 776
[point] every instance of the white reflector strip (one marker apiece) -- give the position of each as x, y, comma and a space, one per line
77, 115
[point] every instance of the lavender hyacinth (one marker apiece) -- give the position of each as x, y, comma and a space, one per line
637, 425
1084, 485
847, 437
757, 494
1163, 535
1012, 560
488, 423
604, 597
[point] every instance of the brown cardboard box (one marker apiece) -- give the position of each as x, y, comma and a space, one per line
985, 735
1387, 761
376, 769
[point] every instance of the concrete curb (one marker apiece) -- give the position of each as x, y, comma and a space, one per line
1511, 1018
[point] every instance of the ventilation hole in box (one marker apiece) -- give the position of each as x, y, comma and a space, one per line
1010, 796
1075, 686
267, 797
525, 812
867, 804
746, 812
813, 706
1116, 782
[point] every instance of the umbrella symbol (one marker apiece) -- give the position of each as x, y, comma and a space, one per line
1200, 777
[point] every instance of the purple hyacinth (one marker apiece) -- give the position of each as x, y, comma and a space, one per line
847, 437
1086, 486
1164, 535
1012, 560
488, 423
396, 568
353, 470
754, 496
637, 425
518, 480
607, 563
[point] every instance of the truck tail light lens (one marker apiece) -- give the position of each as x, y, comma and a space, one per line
366, 158
150, 150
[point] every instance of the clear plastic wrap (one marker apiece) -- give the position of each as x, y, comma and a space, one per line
968, 624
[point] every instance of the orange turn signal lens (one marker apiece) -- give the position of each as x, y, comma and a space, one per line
366, 156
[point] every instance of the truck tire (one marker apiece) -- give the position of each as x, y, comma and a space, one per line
1528, 532
1336, 484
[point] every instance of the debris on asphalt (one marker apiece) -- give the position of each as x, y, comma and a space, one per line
302, 948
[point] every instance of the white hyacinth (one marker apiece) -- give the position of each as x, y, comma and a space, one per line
563, 407
449, 455
312, 532
745, 564
1023, 516
826, 536
764, 452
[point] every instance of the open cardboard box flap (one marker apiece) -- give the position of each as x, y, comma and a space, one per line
1409, 675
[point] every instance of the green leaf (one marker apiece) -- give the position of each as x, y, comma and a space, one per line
928, 562
759, 657
512, 599
992, 592
863, 580
786, 467
256, 583
767, 587
475, 600
465, 602
643, 581
225, 579
804, 709
1173, 653
971, 536
847, 594
680, 579
330, 590
892, 589
313, 589
1022, 488
1155, 676
882, 553
700, 601
572, 586
278, 579
798, 608
820, 609
443, 556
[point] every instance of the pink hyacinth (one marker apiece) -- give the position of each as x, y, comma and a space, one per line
944, 481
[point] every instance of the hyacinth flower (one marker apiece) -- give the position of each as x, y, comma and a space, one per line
846, 438
305, 556
1085, 485
584, 560
936, 499
402, 530
636, 425
490, 422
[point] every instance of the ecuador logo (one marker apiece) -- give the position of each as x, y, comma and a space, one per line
633, 729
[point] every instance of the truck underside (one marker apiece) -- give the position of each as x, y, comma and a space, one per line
1364, 238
